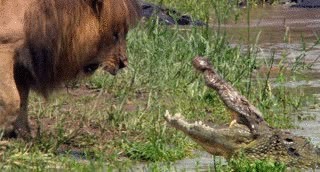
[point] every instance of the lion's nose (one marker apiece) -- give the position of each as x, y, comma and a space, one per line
123, 62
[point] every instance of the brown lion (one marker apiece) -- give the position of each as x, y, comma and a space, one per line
44, 43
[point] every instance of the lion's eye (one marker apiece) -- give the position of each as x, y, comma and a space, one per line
115, 37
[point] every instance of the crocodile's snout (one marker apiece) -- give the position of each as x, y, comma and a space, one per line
201, 64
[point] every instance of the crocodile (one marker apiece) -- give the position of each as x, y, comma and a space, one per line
248, 132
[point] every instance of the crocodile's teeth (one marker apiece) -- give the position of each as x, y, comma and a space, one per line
197, 123
177, 115
167, 115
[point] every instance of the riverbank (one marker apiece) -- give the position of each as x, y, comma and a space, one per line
116, 122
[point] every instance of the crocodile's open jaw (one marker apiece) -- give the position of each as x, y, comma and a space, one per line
218, 141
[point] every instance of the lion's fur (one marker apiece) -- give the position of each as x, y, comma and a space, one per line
63, 39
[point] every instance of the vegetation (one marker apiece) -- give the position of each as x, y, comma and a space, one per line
114, 122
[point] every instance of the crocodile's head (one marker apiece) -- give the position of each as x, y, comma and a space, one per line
248, 132
229, 141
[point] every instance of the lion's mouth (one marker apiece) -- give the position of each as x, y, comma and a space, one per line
113, 69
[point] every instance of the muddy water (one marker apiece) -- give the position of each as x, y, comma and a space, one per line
289, 32
282, 31
202, 163
274, 22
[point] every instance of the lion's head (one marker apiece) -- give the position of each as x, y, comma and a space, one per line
115, 23
64, 38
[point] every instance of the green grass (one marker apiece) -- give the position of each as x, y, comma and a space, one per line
113, 122
244, 165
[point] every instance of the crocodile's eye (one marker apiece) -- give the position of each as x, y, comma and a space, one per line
288, 141
293, 152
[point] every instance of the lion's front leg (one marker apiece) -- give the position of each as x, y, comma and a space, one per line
21, 126
9, 96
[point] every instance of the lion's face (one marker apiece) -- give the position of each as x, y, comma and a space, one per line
115, 57
115, 24
111, 55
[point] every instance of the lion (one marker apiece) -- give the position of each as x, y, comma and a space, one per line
45, 43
